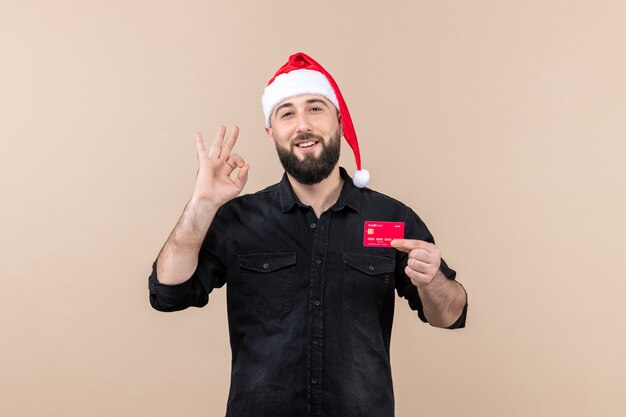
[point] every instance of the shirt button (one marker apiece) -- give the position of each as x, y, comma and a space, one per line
371, 267
318, 261
313, 225
266, 265
315, 341
313, 381
316, 303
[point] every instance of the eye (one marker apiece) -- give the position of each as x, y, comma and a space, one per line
286, 114
316, 108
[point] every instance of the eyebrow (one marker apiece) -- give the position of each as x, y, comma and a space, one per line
309, 101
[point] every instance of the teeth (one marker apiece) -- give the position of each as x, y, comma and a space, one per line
306, 144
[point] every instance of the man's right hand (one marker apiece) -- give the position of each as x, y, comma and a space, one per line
214, 184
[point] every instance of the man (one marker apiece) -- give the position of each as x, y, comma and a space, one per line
310, 295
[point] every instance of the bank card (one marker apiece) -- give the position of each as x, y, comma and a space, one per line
380, 234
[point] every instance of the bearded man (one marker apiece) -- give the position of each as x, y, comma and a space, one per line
312, 263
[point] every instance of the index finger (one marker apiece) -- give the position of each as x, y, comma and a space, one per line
407, 245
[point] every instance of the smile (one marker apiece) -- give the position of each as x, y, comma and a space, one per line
306, 144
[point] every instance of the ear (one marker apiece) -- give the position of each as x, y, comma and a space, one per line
340, 122
270, 135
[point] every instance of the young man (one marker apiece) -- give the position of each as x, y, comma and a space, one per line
310, 295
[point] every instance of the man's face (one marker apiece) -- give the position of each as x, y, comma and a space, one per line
307, 135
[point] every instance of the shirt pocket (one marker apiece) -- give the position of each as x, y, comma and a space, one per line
367, 281
266, 283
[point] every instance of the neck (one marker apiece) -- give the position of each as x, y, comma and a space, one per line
320, 196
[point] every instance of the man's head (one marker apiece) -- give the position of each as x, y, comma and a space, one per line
304, 111
306, 132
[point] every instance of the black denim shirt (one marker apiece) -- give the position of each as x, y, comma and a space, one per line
310, 309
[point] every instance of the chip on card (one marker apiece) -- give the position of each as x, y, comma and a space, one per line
380, 234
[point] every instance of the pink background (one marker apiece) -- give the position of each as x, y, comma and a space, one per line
502, 123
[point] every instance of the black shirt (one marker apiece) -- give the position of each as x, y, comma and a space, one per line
310, 309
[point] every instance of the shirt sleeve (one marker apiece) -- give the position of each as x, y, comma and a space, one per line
416, 229
210, 273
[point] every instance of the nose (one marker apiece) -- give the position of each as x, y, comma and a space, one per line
303, 123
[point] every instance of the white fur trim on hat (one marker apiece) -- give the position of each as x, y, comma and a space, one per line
296, 83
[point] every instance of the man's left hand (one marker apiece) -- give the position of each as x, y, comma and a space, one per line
424, 260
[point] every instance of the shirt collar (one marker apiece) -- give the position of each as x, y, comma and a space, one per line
349, 196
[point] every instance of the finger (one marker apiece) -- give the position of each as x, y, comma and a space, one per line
234, 161
216, 145
432, 259
421, 255
417, 278
407, 245
230, 142
201, 152
242, 177
237, 160
419, 266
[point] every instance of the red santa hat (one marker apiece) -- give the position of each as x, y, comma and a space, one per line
302, 75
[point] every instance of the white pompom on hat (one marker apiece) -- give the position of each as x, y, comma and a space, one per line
302, 75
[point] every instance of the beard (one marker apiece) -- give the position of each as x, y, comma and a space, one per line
311, 170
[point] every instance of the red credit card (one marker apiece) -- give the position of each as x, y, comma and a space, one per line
380, 234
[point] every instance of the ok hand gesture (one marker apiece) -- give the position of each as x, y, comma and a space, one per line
214, 184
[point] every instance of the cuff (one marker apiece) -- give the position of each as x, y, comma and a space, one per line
165, 297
